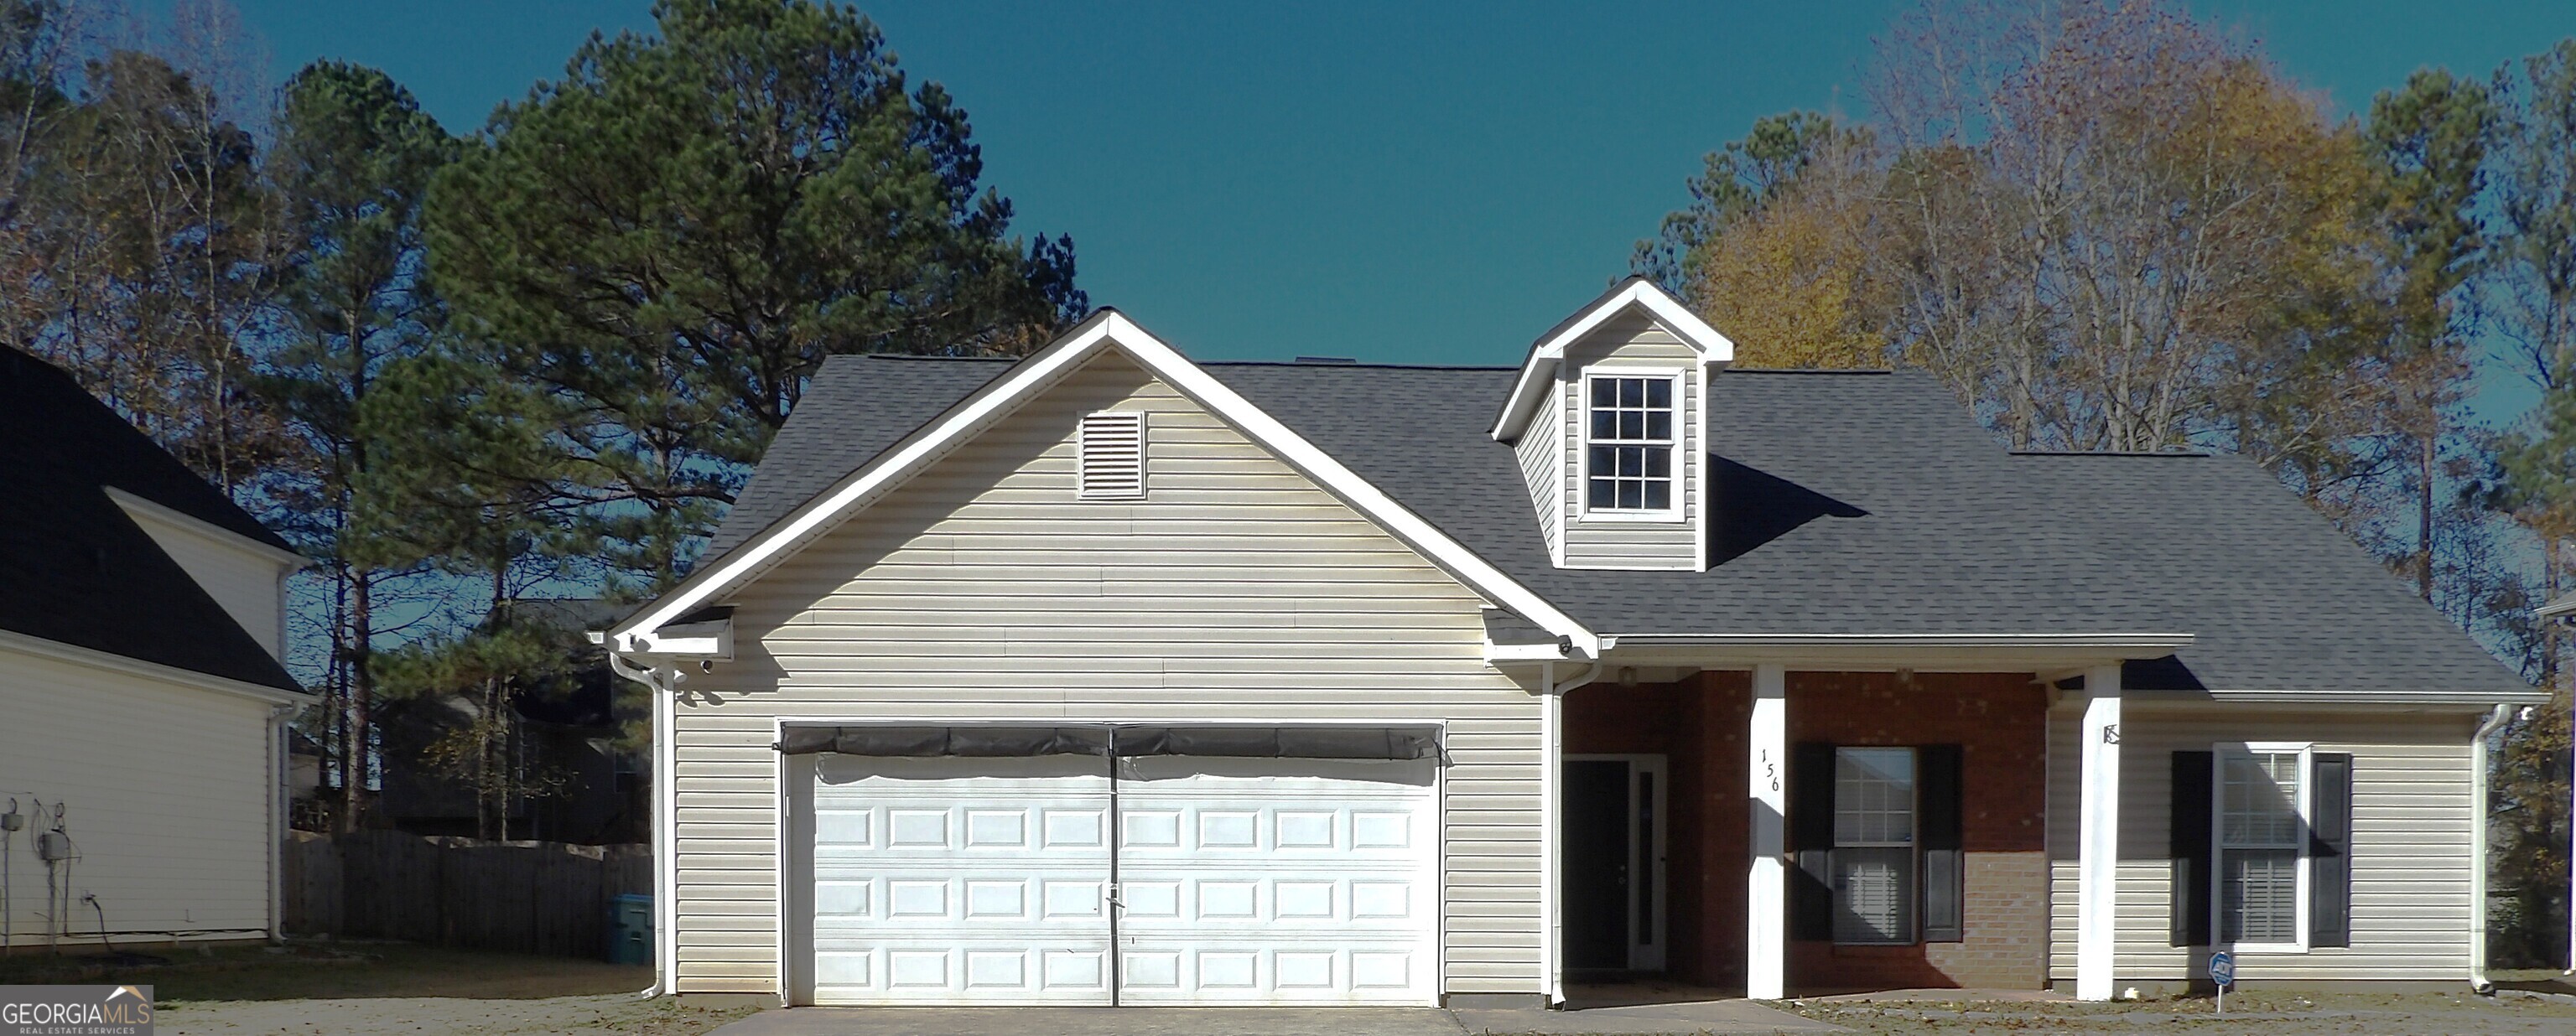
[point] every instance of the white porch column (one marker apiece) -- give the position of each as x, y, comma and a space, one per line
2098, 844
1766, 903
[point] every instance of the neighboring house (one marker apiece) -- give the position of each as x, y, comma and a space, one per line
571, 778
1106, 676
142, 706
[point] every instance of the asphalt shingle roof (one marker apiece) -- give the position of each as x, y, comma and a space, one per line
1846, 502
76, 569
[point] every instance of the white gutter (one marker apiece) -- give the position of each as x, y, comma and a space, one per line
2478, 848
1550, 840
666, 864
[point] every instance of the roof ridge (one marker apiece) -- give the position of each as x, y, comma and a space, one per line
1362, 364
2113, 453
1732, 369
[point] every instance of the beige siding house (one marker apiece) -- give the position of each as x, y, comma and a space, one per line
1107, 677
143, 746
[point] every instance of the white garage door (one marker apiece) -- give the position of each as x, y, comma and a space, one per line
1276, 881
956, 881
1244, 881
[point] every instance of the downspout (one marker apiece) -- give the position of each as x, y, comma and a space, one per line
666, 864
282, 767
1550, 823
2478, 849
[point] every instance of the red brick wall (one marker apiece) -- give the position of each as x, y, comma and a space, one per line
1699, 724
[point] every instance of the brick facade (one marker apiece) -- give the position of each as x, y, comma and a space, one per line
1699, 725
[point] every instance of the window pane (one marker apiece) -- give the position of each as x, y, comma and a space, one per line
1659, 461
2259, 895
1659, 392
1630, 495
2259, 801
1659, 495
1874, 895
1605, 391
1603, 493
1632, 424
1605, 424
1632, 392
1632, 461
1659, 424
1604, 460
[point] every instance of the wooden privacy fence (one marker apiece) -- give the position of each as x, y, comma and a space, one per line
517, 897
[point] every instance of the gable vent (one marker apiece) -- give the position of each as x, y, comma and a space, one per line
1110, 462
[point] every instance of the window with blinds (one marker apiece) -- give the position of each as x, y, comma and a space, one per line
1874, 845
1110, 456
2259, 829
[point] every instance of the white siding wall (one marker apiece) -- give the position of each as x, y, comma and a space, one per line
1542, 454
243, 581
169, 796
1635, 342
2410, 858
1235, 591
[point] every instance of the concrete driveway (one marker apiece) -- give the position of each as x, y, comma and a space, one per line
1716, 1017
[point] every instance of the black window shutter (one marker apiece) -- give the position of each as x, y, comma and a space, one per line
1811, 839
2188, 845
2330, 852
1937, 802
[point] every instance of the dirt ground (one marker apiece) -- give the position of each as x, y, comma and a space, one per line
309, 988
2285, 1013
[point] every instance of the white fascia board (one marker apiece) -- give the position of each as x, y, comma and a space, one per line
94, 658
1110, 329
1540, 370
1504, 654
694, 641
2554, 609
184, 522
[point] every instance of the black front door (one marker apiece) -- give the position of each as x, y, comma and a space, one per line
1597, 865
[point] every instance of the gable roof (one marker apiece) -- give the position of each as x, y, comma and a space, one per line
1847, 503
1103, 332
1634, 292
81, 571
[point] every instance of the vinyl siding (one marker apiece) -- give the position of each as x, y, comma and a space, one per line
1235, 591
1542, 455
2410, 864
1635, 342
243, 581
168, 794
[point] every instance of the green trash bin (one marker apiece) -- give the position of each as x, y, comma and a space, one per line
630, 930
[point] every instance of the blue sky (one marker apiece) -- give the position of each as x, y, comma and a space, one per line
1396, 182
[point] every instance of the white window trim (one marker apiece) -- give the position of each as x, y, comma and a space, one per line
1682, 412
2218, 843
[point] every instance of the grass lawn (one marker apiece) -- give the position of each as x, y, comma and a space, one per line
306, 969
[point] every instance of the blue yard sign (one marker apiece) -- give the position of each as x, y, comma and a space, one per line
2222, 973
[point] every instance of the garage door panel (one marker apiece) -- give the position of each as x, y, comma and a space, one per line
960, 880
1276, 880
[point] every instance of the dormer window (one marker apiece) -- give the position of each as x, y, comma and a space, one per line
1629, 434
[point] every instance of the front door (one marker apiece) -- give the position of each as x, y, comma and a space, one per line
1614, 863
